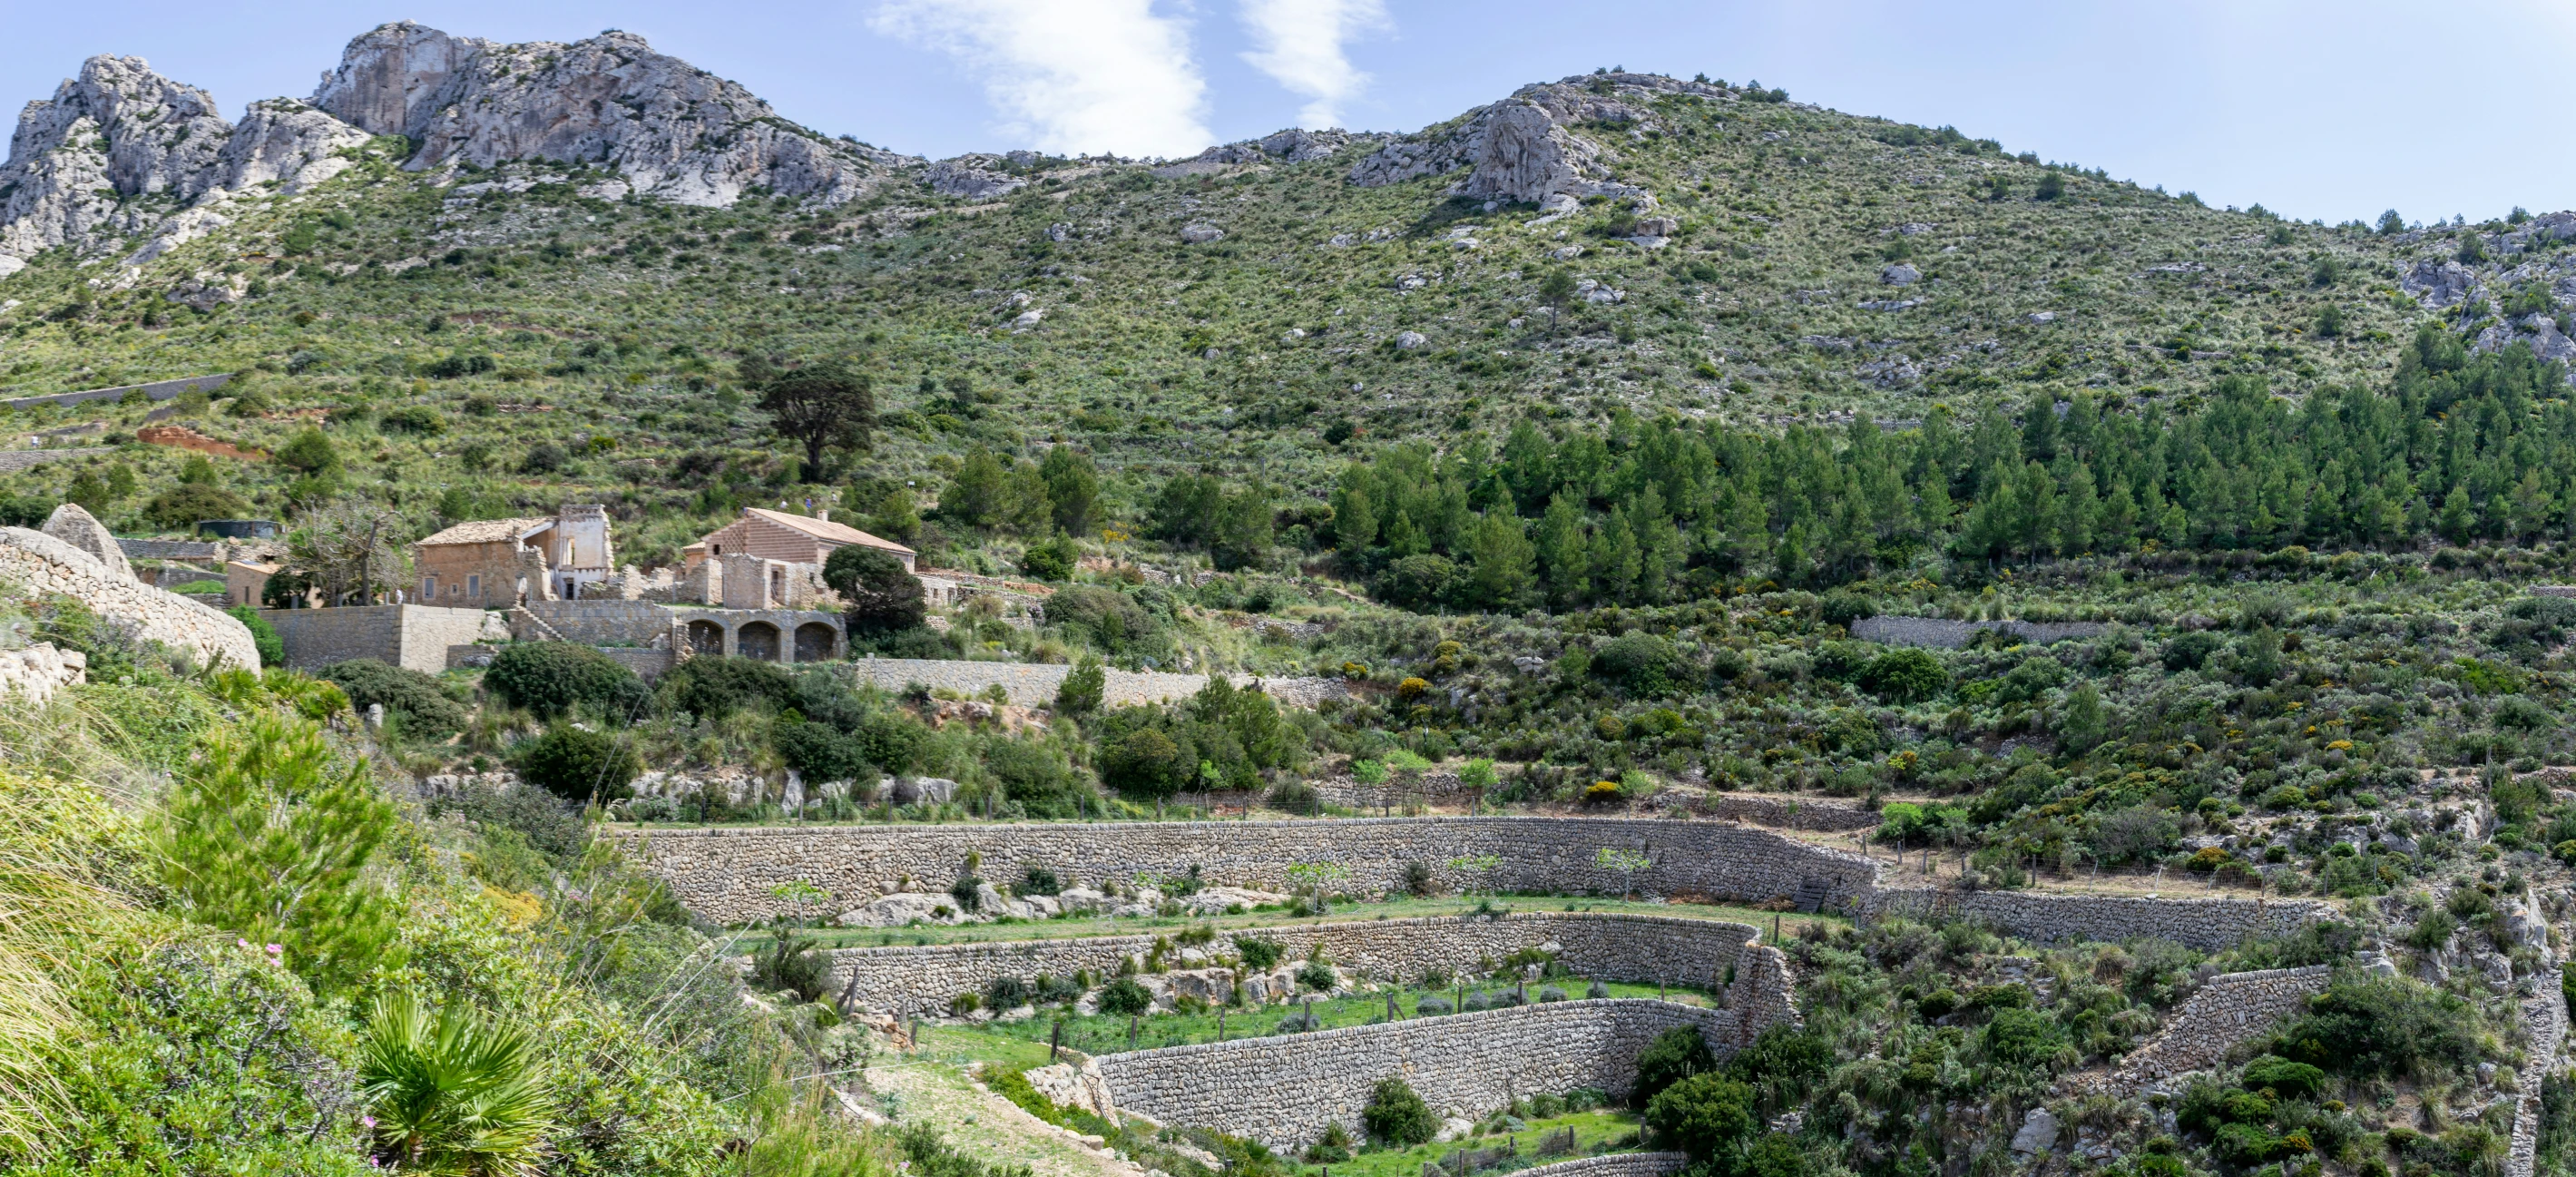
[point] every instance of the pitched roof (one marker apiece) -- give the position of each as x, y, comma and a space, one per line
488, 531
826, 530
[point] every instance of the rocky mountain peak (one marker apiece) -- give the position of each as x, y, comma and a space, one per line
117, 131
675, 131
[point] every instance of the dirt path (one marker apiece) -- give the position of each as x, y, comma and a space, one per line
985, 1126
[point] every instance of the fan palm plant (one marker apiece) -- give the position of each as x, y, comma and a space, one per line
452, 1094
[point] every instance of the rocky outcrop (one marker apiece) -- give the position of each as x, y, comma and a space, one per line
676, 131
1293, 145
286, 143
974, 177
33, 674
1524, 148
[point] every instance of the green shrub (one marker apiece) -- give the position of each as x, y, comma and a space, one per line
1673, 1056
1145, 765
578, 764
272, 648
1106, 618
2023, 1037
1052, 559
166, 1080
1397, 1117
791, 963
1706, 1115
1124, 997
819, 751
1905, 676
182, 507
712, 688
877, 595
1083, 689
2366, 1026
1259, 953
2286, 1079
420, 701
550, 678
1645, 664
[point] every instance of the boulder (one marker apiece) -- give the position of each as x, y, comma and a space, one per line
914, 790
1201, 234
1411, 341
36, 672
1899, 274
77, 527
2038, 1133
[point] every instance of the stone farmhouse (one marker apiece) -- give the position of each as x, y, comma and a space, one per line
499, 563
771, 560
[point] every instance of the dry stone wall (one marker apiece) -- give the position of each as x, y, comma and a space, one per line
2206, 924
917, 981
1283, 1089
2228, 1009
1033, 684
1943, 633
39, 564
414, 637
2545, 1018
727, 874
596, 623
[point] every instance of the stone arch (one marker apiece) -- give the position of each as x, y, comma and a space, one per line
756, 640
706, 637
815, 642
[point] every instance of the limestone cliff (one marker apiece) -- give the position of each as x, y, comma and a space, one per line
1525, 148
675, 131
121, 150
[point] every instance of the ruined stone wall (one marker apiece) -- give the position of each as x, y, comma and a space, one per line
727, 873
1283, 1089
39, 564
2227, 1009
917, 981
2206, 924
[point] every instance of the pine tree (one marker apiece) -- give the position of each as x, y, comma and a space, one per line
265, 837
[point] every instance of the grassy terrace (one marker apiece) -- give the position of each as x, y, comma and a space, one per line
1403, 907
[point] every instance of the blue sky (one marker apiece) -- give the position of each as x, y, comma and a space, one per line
2329, 111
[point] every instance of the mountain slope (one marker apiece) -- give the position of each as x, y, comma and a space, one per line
608, 229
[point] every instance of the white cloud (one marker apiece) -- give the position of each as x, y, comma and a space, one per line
1299, 44
1070, 75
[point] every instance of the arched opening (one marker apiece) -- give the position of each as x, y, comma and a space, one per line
814, 642
706, 637
756, 639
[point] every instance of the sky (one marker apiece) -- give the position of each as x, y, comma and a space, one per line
2316, 110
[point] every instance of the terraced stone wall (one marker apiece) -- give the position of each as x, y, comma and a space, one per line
2206, 924
728, 874
917, 981
1283, 1089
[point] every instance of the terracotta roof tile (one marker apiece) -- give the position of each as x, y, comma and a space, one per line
825, 529
486, 531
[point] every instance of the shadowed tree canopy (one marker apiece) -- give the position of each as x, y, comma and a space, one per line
826, 404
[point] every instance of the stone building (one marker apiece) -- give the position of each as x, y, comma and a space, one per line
771, 560
789, 539
497, 563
